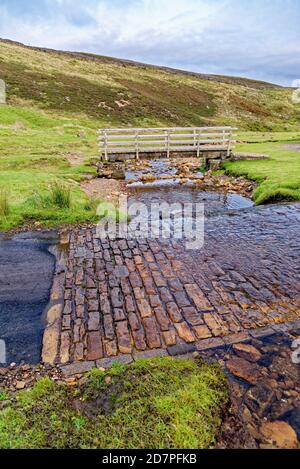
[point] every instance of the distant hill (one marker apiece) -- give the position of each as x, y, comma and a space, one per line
123, 92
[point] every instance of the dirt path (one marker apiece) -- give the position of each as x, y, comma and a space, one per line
104, 189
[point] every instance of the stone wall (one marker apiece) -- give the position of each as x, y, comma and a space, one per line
157, 155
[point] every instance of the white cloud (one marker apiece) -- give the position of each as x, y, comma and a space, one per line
257, 38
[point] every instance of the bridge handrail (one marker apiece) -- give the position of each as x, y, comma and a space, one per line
165, 139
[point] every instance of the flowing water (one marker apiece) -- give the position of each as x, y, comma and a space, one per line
27, 265
172, 191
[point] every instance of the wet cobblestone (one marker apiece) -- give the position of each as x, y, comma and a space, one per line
129, 296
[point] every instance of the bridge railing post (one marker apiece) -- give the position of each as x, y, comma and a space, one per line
166, 141
224, 138
229, 143
105, 144
137, 145
198, 144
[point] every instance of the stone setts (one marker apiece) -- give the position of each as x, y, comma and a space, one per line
123, 297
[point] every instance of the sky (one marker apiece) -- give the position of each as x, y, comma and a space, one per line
253, 38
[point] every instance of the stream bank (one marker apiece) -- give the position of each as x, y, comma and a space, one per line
162, 175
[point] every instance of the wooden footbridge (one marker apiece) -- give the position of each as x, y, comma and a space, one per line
147, 143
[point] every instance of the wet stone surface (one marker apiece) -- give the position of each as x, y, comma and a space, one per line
264, 383
26, 273
124, 297
214, 202
181, 181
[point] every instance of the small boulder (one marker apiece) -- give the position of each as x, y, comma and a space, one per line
279, 433
147, 178
20, 385
248, 352
241, 368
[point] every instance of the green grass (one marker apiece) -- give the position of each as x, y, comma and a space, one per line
3, 395
60, 195
268, 137
278, 177
159, 403
37, 180
4, 204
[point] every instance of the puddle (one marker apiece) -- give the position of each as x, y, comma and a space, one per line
26, 272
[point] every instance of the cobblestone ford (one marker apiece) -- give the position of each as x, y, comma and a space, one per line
125, 299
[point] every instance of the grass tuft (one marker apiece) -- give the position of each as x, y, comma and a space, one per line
4, 204
60, 195
278, 195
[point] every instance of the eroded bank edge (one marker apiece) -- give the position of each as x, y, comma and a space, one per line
183, 350
53, 312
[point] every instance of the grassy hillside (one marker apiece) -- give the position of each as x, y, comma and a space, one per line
122, 93
56, 101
